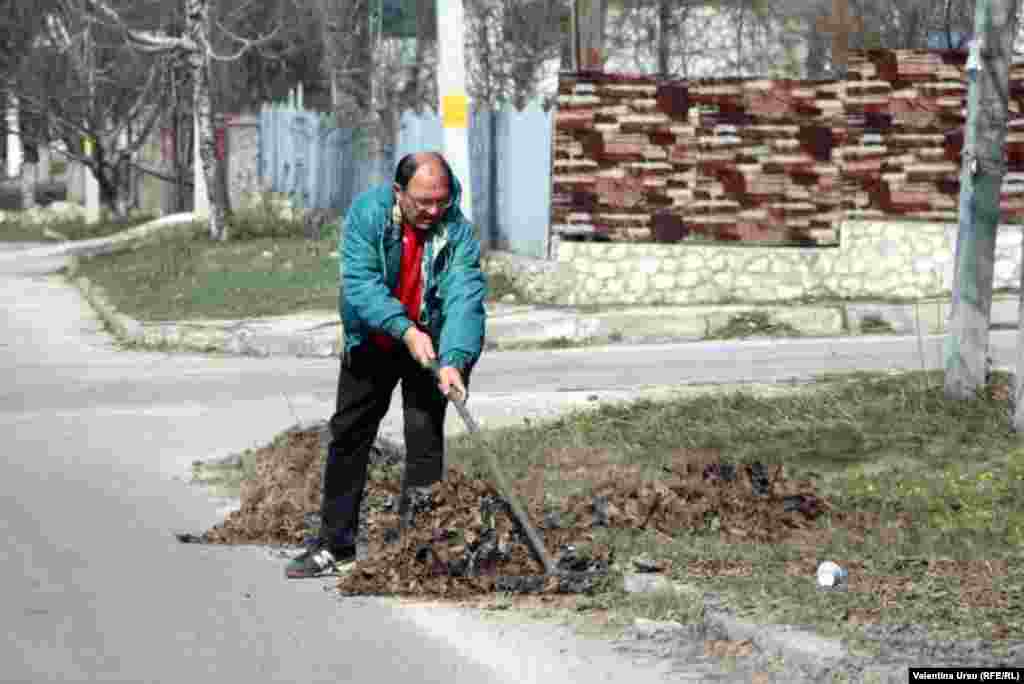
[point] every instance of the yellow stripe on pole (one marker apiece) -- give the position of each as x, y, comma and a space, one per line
455, 111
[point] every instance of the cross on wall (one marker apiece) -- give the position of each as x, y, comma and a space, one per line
840, 25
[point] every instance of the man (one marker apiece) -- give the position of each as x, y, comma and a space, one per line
412, 294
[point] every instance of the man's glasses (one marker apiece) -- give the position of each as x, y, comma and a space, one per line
423, 206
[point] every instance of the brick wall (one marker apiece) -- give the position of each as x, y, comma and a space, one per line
639, 159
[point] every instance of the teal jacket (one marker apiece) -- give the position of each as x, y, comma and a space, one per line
454, 287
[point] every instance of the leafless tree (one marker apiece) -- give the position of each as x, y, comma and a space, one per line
195, 47
890, 24
374, 74
271, 69
698, 38
709, 38
513, 47
76, 82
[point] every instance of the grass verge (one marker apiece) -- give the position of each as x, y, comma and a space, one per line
22, 231
186, 275
267, 268
925, 494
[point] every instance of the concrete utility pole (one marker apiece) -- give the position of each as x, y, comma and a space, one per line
588, 18
451, 87
981, 180
91, 187
15, 153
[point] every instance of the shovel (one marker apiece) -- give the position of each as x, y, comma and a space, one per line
532, 538
570, 581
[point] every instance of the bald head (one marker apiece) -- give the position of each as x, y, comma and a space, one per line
426, 164
423, 188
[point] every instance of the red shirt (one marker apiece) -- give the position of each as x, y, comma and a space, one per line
410, 281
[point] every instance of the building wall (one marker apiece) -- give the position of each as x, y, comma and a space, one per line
874, 259
640, 159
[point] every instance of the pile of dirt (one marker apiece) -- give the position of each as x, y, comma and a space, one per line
275, 502
465, 542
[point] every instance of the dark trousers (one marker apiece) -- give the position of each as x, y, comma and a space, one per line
367, 380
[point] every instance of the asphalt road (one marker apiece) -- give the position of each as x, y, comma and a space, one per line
97, 589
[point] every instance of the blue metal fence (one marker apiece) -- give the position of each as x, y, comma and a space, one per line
322, 165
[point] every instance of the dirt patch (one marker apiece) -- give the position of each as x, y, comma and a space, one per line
465, 541
465, 544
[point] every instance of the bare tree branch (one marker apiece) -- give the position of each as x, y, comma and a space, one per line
147, 41
247, 44
142, 100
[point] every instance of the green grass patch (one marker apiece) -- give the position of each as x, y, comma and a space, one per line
752, 324
21, 231
875, 325
186, 275
890, 448
266, 268
263, 220
16, 229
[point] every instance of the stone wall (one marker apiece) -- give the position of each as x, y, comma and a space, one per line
877, 260
642, 159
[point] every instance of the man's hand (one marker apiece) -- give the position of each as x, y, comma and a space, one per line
451, 384
419, 345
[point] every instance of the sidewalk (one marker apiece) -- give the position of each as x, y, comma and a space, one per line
514, 326
319, 333
509, 326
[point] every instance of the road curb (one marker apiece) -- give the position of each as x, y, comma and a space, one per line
126, 329
781, 653
795, 645
513, 327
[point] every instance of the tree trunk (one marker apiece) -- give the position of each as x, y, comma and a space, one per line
664, 35
198, 18
380, 129
589, 32
981, 181
102, 173
28, 186
122, 178
814, 64
425, 24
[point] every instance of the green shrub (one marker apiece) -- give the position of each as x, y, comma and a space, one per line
258, 222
